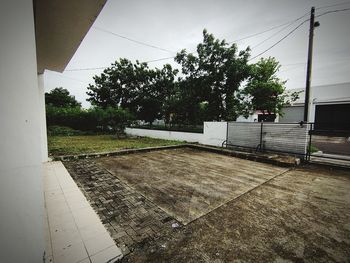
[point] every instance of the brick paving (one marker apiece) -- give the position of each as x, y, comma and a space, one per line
131, 219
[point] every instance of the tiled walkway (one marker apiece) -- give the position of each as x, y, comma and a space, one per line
130, 218
74, 231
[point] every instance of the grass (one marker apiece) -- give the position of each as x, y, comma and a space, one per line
313, 149
70, 145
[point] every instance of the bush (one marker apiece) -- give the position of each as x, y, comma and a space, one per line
95, 119
179, 128
63, 130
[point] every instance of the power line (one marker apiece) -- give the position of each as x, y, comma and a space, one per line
333, 11
327, 6
268, 30
279, 41
276, 33
291, 32
85, 69
133, 40
166, 58
275, 44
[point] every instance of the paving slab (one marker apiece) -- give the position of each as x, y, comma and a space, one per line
188, 183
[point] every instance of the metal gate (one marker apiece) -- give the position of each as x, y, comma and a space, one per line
290, 138
299, 139
329, 146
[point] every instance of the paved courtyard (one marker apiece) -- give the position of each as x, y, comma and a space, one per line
184, 205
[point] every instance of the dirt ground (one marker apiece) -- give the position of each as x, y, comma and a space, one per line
232, 210
188, 183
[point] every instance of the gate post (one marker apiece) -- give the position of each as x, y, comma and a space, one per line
261, 135
310, 138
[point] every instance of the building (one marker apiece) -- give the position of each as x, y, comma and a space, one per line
35, 35
329, 108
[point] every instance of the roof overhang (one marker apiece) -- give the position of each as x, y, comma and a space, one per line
60, 27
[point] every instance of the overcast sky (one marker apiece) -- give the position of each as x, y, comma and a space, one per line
174, 25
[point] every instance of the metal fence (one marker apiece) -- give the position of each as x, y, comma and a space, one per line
299, 139
329, 146
291, 138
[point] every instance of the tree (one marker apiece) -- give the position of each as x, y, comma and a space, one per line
60, 97
117, 85
135, 87
265, 91
213, 76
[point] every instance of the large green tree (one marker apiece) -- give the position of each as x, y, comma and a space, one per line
213, 76
135, 87
264, 91
61, 98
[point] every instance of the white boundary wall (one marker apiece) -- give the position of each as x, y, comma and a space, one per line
214, 134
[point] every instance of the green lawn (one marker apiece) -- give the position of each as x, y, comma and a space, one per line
68, 145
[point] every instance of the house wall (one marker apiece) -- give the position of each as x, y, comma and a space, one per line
292, 114
250, 118
214, 134
319, 95
44, 149
21, 189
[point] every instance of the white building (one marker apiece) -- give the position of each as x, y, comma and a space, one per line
35, 35
329, 107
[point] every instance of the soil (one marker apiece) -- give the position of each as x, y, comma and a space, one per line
300, 216
188, 183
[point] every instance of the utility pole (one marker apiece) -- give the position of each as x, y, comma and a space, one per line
313, 24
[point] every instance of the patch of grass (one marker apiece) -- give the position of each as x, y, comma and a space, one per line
69, 145
313, 149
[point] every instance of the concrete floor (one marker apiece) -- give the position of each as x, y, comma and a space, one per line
74, 232
231, 209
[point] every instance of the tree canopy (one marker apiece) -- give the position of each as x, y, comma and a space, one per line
213, 76
136, 87
216, 83
60, 97
264, 91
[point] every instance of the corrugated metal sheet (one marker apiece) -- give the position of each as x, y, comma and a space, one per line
282, 137
243, 134
290, 138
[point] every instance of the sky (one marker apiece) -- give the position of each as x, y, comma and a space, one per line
175, 25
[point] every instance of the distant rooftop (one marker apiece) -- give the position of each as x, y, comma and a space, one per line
339, 92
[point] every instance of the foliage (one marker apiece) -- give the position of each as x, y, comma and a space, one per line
135, 87
312, 148
94, 119
180, 128
265, 91
55, 130
210, 86
60, 97
63, 145
213, 76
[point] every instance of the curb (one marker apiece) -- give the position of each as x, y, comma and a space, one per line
241, 155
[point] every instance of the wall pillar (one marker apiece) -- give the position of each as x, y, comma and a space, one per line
21, 170
41, 86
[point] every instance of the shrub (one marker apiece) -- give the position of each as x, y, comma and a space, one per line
95, 119
63, 130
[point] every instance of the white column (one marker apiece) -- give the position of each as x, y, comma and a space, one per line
21, 186
41, 86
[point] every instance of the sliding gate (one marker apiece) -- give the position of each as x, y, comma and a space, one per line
290, 138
